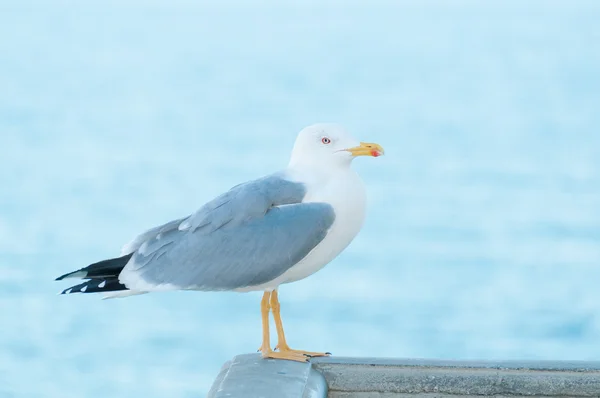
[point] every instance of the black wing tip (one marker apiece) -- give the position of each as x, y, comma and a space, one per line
96, 286
80, 273
105, 269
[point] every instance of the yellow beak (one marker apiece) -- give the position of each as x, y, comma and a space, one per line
367, 149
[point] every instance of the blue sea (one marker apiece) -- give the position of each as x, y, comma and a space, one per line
482, 238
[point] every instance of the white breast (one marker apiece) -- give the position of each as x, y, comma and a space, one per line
346, 193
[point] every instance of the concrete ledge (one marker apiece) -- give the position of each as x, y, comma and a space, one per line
251, 376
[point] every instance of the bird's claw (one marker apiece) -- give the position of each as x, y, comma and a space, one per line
290, 356
309, 354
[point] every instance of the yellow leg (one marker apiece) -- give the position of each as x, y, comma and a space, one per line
266, 350
281, 342
264, 312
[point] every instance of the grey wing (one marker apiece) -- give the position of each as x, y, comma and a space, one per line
249, 254
247, 236
139, 240
242, 202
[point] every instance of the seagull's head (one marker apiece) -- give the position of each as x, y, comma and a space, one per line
329, 145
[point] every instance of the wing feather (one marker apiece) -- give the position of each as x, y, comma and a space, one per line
245, 237
232, 257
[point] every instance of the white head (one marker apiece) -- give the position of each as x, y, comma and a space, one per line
328, 145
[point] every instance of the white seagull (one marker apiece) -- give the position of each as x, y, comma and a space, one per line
257, 236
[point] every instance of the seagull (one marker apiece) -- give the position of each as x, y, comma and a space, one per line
261, 234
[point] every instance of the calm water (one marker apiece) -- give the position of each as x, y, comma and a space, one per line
483, 230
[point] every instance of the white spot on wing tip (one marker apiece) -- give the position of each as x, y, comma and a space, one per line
68, 291
102, 284
83, 289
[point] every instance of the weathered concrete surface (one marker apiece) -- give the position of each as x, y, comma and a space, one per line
339, 394
397, 378
250, 376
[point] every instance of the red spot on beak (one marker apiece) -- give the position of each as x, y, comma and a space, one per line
375, 153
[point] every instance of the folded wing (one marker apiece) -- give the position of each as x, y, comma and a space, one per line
246, 237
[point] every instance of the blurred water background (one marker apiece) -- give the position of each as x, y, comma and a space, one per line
483, 232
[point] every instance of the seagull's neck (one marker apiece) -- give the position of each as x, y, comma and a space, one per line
340, 186
318, 174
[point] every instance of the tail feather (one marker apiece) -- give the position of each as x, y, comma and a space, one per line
96, 286
122, 294
105, 269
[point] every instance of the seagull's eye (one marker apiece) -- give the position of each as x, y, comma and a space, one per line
326, 140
